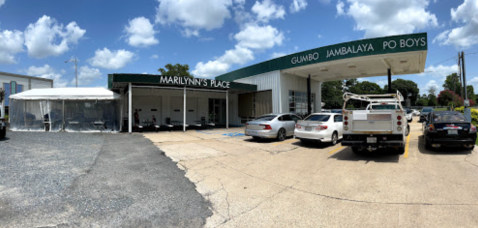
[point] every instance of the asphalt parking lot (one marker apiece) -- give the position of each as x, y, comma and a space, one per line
287, 184
93, 180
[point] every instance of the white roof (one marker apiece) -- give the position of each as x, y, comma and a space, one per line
67, 94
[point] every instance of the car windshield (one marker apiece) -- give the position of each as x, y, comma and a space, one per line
448, 117
267, 117
427, 109
321, 118
409, 111
383, 107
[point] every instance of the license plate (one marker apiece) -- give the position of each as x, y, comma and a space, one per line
308, 128
453, 132
371, 139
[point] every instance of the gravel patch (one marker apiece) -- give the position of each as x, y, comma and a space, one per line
93, 180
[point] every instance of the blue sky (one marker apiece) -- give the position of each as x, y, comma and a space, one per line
218, 36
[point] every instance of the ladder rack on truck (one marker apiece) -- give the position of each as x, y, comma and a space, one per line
3, 123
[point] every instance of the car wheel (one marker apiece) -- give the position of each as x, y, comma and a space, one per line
407, 131
401, 150
335, 138
356, 150
281, 134
3, 133
428, 146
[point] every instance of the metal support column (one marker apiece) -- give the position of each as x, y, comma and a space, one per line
389, 71
63, 123
227, 109
309, 95
184, 109
318, 98
130, 108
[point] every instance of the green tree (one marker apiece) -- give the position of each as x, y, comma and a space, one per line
422, 102
176, 70
449, 98
332, 94
432, 100
470, 92
405, 87
366, 87
349, 83
452, 83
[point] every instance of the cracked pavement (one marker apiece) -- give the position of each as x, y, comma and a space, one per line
287, 184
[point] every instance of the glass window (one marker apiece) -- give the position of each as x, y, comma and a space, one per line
322, 118
448, 117
384, 107
267, 117
19, 88
298, 102
337, 118
286, 118
6, 87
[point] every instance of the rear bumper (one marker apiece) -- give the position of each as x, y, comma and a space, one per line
320, 137
261, 133
383, 141
451, 142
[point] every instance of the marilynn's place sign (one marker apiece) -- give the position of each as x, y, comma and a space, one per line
199, 82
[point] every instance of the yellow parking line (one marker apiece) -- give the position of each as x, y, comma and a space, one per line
286, 141
333, 151
406, 147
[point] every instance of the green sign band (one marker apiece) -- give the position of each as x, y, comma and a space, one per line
359, 48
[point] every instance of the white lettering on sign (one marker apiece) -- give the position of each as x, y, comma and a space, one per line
176, 80
350, 49
405, 43
305, 58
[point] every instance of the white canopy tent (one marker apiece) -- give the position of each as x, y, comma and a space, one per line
65, 109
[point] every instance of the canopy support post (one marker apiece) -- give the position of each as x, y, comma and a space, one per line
227, 109
309, 102
130, 108
184, 110
63, 124
389, 71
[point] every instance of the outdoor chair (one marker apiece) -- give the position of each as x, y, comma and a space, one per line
207, 124
169, 125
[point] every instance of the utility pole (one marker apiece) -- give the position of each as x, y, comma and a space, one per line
464, 74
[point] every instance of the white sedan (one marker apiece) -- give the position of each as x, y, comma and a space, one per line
320, 127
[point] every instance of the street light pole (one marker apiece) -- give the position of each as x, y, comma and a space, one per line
76, 69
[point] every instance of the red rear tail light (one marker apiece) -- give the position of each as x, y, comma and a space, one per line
247, 124
321, 127
346, 123
266, 126
431, 127
399, 117
346, 118
472, 129
399, 123
297, 126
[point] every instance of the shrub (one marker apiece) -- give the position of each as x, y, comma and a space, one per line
474, 114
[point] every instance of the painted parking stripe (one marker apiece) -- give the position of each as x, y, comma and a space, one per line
286, 141
333, 151
406, 147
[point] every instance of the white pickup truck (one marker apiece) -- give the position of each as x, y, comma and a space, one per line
3, 123
383, 124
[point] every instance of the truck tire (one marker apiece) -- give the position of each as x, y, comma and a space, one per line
3, 133
428, 146
401, 150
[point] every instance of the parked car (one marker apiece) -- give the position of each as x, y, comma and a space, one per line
272, 126
326, 111
448, 128
416, 112
337, 111
425, 111
320, 127
409, 115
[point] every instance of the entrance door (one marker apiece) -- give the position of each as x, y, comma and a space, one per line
217, 111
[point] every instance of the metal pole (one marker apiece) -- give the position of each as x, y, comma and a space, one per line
389, 71
130, 108
464, 73
76, 73
227, 109
309, 103
184, 109
63, 125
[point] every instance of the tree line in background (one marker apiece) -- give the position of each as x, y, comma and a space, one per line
332, 92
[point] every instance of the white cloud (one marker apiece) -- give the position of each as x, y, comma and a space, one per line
48, 38
193, 14
319, 36
440, 71
154, 57
298, 5
383, 18
47, 71
221, 65
11, 43
141, 33
86, 76
268, 10
2, 2
278, 54
433, 83
259, 37
111, 60
466, 35
474, 83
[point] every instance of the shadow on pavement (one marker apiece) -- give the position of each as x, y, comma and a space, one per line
312, 145
382, 155
441, 150
264, 140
